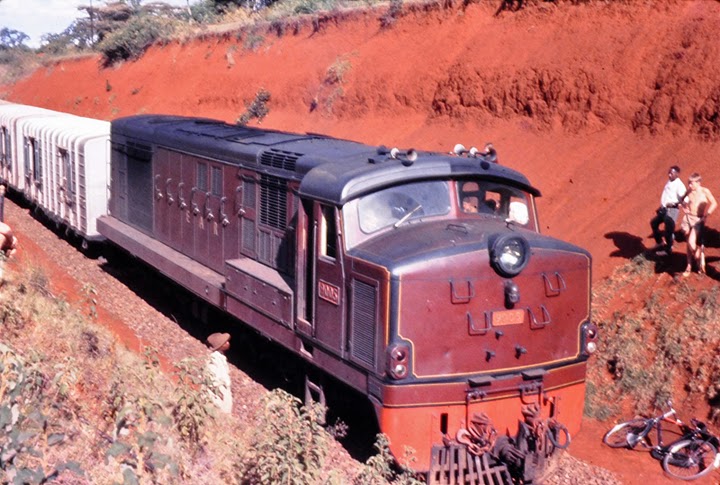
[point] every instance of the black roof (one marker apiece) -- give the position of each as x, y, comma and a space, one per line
328, 169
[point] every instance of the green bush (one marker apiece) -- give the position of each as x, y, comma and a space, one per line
26, 432
290, 444
257, 109
131, 41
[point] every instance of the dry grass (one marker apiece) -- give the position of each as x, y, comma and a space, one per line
114, 408
91, 411
659, 339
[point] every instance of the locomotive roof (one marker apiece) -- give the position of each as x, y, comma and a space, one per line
329, 169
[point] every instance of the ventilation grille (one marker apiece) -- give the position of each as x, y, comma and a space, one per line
363, 324
279, 159
273, 202
248, 235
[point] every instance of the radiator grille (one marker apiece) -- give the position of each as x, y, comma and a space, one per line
273, 202
363, 322
248, 194
248, 235
279, 159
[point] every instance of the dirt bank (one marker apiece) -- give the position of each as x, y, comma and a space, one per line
593, 101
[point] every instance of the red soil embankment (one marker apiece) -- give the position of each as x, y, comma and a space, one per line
592, 102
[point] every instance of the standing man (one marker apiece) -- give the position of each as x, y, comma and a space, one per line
8, 246
698, 204
668, 212
219, 371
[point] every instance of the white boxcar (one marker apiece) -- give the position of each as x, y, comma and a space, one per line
12, 143
65, 164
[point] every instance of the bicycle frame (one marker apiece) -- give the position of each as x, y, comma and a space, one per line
656, 423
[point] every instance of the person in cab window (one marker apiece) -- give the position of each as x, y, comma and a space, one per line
470, 204
697, 205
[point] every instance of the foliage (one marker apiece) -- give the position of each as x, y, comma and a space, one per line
82, 399
26, 433
131, 41
138, 436
204, 12
257, 109
12, 39
392, 14
337, 71
289, 446
226, 5
192, 406
381, 468
661, 339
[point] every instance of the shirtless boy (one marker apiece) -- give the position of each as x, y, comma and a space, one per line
698, 204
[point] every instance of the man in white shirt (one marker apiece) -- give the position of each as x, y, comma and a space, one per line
668, 212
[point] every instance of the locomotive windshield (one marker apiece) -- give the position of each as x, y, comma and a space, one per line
411, 203
495, 200
396, 205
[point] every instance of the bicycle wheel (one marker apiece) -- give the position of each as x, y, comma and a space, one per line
689, 459
627, 434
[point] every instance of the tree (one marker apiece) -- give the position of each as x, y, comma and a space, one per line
12, 39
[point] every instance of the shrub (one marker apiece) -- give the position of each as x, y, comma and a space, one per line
392, 14
335, 74
290, 444
131, 41
257, 109
26, 433
381, 468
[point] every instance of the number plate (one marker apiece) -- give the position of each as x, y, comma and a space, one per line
508, 317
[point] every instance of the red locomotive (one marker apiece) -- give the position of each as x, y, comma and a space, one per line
419, 279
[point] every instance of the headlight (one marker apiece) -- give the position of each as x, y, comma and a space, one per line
509, 254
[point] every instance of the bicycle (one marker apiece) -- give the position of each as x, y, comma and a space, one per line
693, 455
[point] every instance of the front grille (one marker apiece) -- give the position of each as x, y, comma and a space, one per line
364, 303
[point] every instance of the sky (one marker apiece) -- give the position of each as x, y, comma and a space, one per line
38, 17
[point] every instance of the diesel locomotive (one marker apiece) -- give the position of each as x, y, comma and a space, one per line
419, 279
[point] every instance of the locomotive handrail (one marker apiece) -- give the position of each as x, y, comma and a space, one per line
238, 210
193, 204
206, 209
181, 199
158, 192
168, 194
551, 290
462, 298
546, 319
223, 216
478, 331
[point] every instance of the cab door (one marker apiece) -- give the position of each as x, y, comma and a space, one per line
329, 288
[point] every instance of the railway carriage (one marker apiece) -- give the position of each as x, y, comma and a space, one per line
419, 279
12, 141
64, 163
59, 162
